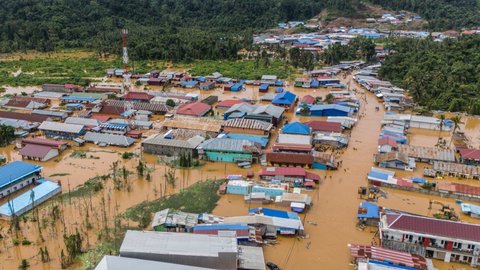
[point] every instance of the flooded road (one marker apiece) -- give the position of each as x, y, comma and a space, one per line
334, 210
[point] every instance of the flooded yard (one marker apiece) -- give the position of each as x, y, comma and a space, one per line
329, 224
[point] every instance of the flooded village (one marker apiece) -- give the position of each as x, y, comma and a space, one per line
333, 169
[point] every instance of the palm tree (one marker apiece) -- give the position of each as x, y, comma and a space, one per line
442, 118
329, 98
456, 120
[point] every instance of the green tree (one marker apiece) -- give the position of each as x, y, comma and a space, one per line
329, 98
456, 120
170, 103
7, 135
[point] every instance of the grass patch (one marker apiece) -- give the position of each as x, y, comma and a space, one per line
59, 174
244, 69
91, 186
78, 70
78, 154
93, 256
201, 197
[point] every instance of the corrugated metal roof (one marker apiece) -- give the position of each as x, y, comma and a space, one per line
231, 145
270, 109
196, 109
23, 202
34, 150
124, 263
429, 153
50, 113
61, 127
191, 143
13, 171
433, 226
247, 124
284, 98
177, 243
296, 128
82, 121
110, 139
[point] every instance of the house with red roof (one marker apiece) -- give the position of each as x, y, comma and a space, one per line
226, 104
288, 174
308, 99
137, 96
469, 156
325, 127
197, 109
446, 240
387, 145
41, 149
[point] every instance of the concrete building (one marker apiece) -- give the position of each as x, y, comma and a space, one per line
182, 248
61, 130
229, 150
158, 145
450, 241
24, 203
17, 175
122, 263
105, 139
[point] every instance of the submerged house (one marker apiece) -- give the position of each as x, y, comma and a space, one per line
395, 160
247, 126
61, 130
105, 139
25, 202
469, 156
446, 240
330, 110
268, 113
285, 99
229, 150
159, 145
169, 220
368, 214
17, 175
197, 109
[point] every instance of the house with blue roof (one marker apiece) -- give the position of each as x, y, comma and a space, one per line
24, 203
263, 87
17, 175
367, 214
296, 128
330, 110
285, 99
236, 87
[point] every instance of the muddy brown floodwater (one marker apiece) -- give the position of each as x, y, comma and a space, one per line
334, 209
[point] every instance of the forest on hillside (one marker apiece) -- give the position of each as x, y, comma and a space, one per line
176, 30
438, 75
441, 14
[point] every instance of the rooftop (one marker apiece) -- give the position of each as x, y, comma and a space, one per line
247, 124
194, 109
61, 127
296, 128
431, 226
285, 171
470, 154
228, 103
186, 244
325, 126
428, 153
109, 139
124, 263
284, 98
16, 170
35, 150
24, 201
191, 143
232, 145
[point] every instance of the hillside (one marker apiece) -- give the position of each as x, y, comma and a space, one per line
441, 14
159, 29
438, 75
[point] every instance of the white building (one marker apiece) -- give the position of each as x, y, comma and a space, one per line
450, 241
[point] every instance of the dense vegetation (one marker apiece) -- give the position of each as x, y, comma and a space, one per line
358, 48
441, 14
158, 29
7, 135
438, 75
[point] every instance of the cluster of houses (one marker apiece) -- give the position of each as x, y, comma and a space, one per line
409, 241
393, 98
181, 240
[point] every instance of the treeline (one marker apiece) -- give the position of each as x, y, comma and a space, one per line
176, 30
438, 75
441, 14
357, 48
